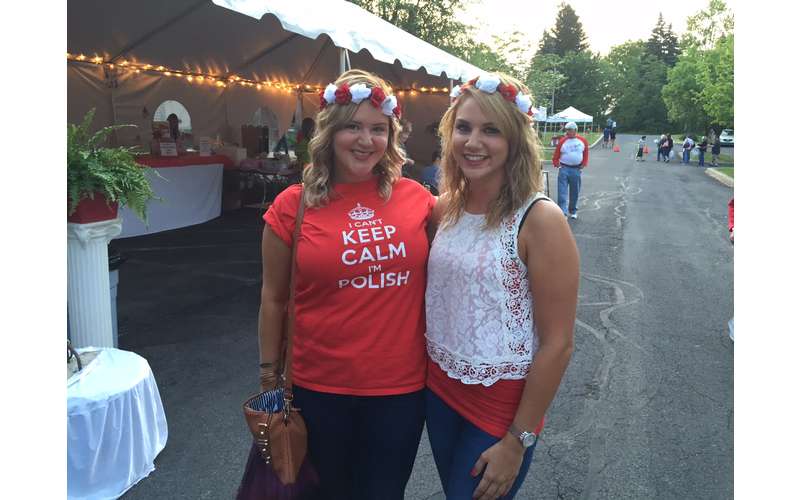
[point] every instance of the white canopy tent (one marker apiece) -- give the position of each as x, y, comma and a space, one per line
292, 48
571, 114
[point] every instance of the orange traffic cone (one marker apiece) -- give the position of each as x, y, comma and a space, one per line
616, 148
646, 151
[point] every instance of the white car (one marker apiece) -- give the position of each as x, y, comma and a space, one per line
726, 137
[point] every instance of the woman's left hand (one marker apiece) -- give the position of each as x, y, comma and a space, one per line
502, 462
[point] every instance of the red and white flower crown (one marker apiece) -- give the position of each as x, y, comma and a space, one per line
491, 84
345, 94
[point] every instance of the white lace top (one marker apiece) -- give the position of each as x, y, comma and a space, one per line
479, 308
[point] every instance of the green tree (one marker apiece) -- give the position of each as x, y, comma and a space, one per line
663, 43
545, 79
705, 28
682, 93
583, 85
635, 79
547, 45
566, 36
431, 20
699, 89
717, 81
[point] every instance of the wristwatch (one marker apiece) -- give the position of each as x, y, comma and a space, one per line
526, 439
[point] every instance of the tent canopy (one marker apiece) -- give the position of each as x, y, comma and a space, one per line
295, 43
570, 114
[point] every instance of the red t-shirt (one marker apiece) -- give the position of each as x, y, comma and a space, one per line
360, 288
490, 409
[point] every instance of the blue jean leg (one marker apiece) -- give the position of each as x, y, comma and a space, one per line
363, 447
686, 156
574, 189
562, 189
702, 159
456, 445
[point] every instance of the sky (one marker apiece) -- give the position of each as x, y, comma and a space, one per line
606, 23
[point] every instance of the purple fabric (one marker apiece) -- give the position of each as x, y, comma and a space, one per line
259, 481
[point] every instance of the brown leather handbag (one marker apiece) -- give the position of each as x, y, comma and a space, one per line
280, 437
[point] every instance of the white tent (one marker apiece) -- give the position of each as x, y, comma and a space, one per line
287, 49
571, 114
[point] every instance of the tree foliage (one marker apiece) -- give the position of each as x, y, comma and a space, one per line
705, 28
583, 85
544, 78
566, 36
635, 79
429, 20
699, 89
663, 42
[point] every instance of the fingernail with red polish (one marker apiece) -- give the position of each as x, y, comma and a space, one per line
473, 473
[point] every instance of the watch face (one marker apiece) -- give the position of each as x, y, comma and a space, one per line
528, 439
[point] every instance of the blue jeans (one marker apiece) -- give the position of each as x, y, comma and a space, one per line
686, 156
569, 178
363, 447
702, 158
456, 445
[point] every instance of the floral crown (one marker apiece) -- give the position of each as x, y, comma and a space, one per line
345, 94
491, 84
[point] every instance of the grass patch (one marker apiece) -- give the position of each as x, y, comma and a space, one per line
727, 171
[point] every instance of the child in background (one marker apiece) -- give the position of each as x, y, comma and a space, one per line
640, 151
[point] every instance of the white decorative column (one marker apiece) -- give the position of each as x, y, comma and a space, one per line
88, 294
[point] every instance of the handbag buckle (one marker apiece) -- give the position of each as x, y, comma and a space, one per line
262, 441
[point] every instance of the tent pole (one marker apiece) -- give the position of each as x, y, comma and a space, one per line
342, 61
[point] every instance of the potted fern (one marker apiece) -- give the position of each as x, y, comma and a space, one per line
99, 179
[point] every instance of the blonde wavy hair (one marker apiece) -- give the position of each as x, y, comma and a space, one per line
318, 175
523, 167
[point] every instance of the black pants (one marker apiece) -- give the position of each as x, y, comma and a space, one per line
363, 447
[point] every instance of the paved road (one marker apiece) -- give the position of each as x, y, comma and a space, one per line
645, 410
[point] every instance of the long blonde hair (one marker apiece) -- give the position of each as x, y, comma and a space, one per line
318, 176
523, 167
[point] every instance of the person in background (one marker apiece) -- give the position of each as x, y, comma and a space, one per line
405, 133
501, 247
688, 145
730, 219
606, 136
304, 136
670, 146
430, 174
662, 147
640, 148
613, 134
701, 150
716, 145
570, 157
175, 132
359, 346
730, 231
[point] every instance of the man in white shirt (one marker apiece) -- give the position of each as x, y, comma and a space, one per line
570, 157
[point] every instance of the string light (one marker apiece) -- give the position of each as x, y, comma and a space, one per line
223, 81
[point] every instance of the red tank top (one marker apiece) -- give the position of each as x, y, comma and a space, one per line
490, 409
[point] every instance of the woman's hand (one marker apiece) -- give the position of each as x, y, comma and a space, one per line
502, 462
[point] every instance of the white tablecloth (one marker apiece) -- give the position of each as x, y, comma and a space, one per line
189, 195
115, 425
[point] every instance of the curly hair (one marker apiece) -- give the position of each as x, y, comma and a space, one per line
523, 167
318, 175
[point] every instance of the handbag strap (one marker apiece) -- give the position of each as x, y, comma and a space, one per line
290, 322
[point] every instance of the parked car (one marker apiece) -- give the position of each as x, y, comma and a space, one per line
726, 137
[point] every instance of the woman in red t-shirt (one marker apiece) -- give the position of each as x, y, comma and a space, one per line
496, 361
359, 346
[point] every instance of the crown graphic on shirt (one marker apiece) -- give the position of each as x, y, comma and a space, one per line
361, 213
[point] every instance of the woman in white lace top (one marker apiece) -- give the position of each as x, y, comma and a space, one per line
495, 360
